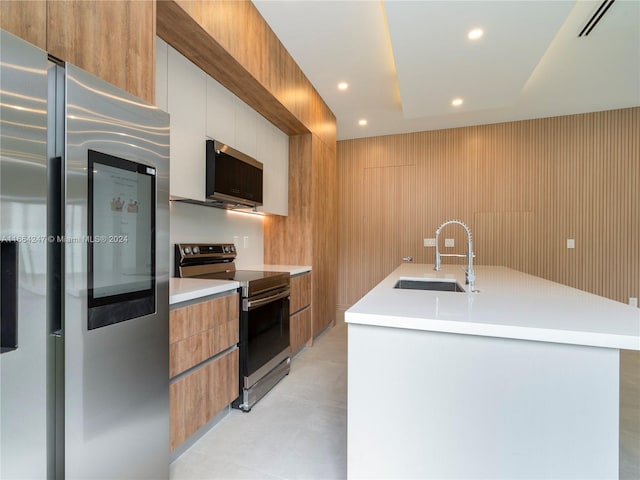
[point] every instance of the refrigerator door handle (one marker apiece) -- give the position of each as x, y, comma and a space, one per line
55, 246
9, 296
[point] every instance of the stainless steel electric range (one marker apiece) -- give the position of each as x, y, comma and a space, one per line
264, 315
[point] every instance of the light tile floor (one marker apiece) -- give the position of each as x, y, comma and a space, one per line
297, 431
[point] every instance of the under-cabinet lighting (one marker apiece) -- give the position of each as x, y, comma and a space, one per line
456, 102
362, 122
343, 86
255, 213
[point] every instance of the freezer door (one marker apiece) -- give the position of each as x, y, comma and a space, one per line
23, 228
116, 251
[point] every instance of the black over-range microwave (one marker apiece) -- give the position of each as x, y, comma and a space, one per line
233, 178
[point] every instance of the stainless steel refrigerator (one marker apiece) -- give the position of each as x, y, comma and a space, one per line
84, 221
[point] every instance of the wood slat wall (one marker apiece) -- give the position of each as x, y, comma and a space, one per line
523, 187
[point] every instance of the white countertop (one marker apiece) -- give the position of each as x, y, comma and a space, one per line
291, 269
183, 289
510, 304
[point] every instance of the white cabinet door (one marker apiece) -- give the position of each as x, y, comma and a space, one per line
221, 113
202, 108
162, 72
273, 152
187, 107
246, 129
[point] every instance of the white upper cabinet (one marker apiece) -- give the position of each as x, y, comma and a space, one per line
201, 109
221, 113
246, 130
186, 87
273, 152
162, 72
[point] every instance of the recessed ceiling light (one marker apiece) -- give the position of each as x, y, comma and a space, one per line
475, 34
456, 102
362, 122
343, 86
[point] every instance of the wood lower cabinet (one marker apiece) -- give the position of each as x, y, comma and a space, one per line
300, 329
202, 330
202, 342
300, 308
198, 396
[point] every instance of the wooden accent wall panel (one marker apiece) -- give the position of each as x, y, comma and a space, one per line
201, 330
25, 19
308, 235
388, 226
325, 235
114, 40
300, 328
199, 396
231, 42
524, 188
300, 292
288, 240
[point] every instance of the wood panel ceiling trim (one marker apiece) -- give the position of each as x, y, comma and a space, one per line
231, 42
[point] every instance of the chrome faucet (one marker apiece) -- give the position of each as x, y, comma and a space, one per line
470, 275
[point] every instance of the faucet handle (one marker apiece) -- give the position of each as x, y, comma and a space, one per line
407, 259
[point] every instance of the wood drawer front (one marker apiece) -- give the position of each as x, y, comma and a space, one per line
200, 331
300, 329
300, 292
201, 395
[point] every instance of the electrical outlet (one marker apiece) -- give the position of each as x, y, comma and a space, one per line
571, 243
236, 241
246, 241
449, 242
633, 301
429, 242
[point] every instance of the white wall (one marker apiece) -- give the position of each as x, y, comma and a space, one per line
197, 223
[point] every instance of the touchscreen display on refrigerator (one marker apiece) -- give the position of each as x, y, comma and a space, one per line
121, 239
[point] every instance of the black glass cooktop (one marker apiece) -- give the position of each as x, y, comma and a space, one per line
243, 276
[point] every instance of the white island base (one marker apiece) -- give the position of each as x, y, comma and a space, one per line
520, 380
439, 405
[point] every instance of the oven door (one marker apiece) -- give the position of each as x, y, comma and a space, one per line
264, 334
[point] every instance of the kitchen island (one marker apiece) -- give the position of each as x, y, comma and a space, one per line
518, 380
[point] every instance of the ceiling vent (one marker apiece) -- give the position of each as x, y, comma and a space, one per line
595, 19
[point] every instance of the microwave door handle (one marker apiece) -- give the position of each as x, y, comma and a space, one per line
263, 301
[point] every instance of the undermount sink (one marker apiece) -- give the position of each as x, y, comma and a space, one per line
438, 285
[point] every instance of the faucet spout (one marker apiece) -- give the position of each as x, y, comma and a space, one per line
470, 274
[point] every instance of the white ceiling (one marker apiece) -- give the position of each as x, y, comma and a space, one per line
406, 60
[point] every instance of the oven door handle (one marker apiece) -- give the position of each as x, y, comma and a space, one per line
263, 301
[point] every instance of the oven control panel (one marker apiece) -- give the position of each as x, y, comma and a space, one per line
199, 258
206, 250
